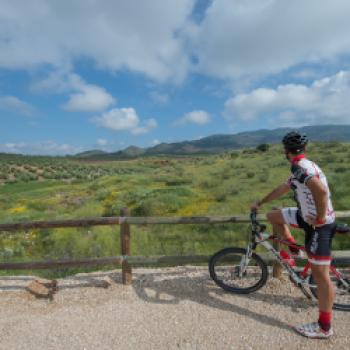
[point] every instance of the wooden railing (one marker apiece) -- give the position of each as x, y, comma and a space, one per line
124, 220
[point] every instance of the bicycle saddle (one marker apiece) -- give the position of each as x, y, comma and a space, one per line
342, 228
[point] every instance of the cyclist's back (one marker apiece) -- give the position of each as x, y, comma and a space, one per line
303, 170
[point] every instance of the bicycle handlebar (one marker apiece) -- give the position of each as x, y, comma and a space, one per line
256, 225
253, 215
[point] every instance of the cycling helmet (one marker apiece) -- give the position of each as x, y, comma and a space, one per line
294, 141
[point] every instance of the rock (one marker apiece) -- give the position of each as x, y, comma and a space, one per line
51, 284
39, 290
42, 288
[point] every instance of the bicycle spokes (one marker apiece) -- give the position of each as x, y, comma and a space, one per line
233, 270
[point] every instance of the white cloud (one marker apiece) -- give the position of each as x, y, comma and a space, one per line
149, 125
118, 119
102, 142
324, 101
240, 38
155, 142
48, 147
159, 98
15, 105
83, 97
124, 119
306, 73
142, 36
195, 117
91, 98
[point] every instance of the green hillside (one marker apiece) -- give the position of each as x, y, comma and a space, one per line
42, 188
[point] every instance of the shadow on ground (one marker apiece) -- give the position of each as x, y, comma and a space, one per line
173, 288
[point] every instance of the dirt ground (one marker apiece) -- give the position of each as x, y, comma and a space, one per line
168, 308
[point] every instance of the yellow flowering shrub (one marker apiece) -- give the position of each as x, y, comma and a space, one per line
18, 210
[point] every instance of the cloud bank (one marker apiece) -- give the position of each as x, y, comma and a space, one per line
141, 36
48, 147
162, 40
259, 37
325, 101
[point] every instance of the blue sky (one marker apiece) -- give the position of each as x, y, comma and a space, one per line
78, 75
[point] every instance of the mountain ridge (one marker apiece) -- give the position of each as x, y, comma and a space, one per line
223, 142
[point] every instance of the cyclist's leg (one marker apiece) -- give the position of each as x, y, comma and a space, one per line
280, 219
318, 247
325, 290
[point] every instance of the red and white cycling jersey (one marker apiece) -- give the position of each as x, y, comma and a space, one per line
302, 170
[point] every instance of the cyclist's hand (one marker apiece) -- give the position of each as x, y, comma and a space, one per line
312, 221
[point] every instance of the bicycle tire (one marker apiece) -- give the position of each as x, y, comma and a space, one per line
259, 267
342, 293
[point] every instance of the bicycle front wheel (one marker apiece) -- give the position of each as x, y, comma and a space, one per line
341, 282
230, 270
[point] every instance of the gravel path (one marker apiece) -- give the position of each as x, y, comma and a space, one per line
169, 308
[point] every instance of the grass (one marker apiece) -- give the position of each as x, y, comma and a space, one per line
223, 184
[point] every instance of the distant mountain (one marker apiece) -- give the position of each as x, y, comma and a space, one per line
91, 154
225, 142
133, 151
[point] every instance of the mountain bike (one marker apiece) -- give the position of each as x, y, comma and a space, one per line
243, 271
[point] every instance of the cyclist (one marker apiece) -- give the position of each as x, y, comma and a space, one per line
314, 213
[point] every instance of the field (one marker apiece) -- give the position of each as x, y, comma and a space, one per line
43, 188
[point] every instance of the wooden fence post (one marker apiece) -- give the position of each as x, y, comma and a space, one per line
125, 247
276, 266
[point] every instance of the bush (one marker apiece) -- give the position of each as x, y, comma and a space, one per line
11, 181
264, 147
178, 181
161, 205
25, 177
249, 151
340, 170
263, 177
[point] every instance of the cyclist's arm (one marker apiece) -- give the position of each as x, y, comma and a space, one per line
320, 195
275, 194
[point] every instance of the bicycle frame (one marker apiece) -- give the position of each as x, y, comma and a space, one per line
263, 238
259, 236
242, 271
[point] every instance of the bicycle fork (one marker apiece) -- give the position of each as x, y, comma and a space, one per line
245, 261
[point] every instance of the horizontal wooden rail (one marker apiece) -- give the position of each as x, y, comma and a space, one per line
60, 263
60, 223
115, 220
125, 260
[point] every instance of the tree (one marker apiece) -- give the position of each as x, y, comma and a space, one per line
264, 147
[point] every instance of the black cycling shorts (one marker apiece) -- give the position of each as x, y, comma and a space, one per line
318, 240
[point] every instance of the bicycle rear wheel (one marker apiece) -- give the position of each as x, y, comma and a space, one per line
230, 271
341, 283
